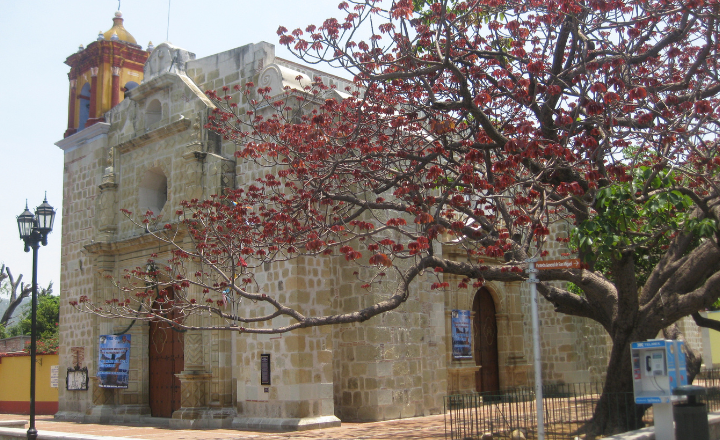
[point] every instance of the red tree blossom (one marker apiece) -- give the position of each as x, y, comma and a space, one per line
481, 125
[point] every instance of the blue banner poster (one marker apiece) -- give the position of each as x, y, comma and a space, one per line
461, 334
114, 362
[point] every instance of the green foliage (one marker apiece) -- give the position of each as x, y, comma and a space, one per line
573, 288
643, 225
624, 222
715, 305
48, 316
14, 330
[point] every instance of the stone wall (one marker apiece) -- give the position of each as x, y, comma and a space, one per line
693, 338
392, 365
15, 343
84, 162
573, 349
300, 390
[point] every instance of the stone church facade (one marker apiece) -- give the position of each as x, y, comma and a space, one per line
136, 141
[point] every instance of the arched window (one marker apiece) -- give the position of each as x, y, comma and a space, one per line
153, 191
84, 99
153, 113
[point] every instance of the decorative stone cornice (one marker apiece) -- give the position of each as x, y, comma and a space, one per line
156, 84
154, 135
144, 241
82, 137
163, 81
108, 182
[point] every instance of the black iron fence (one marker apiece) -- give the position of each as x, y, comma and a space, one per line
710, 379
567, 409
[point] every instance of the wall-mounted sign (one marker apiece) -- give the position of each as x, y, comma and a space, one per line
54, 370
461, 334
114, 361
77, 379
265, 369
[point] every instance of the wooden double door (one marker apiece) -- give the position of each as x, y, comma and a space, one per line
166, 359
487, 379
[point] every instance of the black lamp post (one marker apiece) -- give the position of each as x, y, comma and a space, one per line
34, 230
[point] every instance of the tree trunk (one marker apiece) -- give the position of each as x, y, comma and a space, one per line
15, 297
11, 310
616, 410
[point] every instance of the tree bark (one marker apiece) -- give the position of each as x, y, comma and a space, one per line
616, 410
15, 297
706, 322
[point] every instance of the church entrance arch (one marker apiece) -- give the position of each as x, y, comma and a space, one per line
166, 359
487, 378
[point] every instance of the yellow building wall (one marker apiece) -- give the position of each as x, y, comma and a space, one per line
714, 339
15, 379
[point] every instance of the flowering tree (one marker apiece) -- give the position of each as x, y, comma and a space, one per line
476, 126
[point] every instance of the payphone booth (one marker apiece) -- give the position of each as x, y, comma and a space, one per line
658, 368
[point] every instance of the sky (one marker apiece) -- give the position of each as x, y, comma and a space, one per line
35, 39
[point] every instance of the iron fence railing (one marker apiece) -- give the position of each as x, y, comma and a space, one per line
566, 407
567, 410
710, 379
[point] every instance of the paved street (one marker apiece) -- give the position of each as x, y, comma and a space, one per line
425, 428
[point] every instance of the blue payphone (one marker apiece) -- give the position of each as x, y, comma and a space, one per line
658, 368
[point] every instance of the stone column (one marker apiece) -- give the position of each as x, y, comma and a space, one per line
194, 386
115, 97
104, 403
107, 201
71, 109
92, 117
195, 410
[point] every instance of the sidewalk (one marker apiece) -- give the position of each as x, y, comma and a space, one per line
417, 428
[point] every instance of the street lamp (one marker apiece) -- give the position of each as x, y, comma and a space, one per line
34, 230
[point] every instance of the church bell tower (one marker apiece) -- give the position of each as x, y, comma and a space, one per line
101, 73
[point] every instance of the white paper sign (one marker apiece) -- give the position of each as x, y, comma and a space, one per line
54, 369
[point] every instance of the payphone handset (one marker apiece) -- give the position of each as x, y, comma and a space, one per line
655, 363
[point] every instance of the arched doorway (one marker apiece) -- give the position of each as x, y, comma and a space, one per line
487, 379
166, 359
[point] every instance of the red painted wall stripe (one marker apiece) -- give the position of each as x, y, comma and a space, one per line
23, 407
